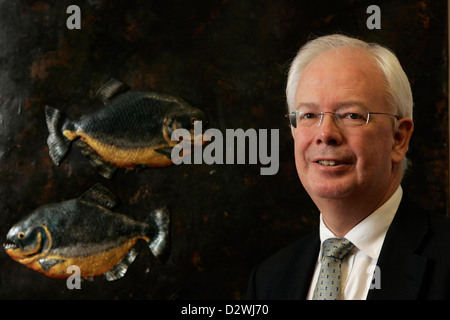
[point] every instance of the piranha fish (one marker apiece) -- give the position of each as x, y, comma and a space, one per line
133, 130
84, 232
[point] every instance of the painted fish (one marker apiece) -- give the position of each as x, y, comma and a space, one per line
133, 130
84, 232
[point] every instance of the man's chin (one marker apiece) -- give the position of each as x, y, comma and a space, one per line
329, 191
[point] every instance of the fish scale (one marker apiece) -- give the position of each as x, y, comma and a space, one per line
85, 232
119, 117
132, 129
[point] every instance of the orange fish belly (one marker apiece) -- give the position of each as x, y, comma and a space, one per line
90, 266
123, 158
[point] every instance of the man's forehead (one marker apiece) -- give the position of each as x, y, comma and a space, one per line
336, 62
341, 75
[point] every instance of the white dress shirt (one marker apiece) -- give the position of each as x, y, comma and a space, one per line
358, 267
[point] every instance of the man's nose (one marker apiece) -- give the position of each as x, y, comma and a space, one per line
329, 131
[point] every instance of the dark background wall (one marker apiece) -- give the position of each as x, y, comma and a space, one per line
228, 58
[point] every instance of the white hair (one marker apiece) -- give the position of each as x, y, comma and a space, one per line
398, 89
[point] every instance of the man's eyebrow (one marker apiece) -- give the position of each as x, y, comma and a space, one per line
351, 104
306, 105
337, 106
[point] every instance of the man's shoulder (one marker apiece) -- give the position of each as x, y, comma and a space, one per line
439, 230
287, 273
431, 230
439, 221
293, 253
436, 224
426, 235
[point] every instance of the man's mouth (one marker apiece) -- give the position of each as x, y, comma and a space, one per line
329, 163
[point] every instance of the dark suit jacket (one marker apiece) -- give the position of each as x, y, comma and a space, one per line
414, 261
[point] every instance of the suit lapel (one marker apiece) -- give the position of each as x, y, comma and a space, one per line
401, 269
305, 267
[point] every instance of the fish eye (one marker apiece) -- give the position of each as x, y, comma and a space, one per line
21, 235
193, 120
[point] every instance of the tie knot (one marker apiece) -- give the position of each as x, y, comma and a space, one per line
337, 248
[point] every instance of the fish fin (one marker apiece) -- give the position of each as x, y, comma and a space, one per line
119, 270
159, 243
58, 144
47, 264
110, 89
104, 168
101, 195
165, 151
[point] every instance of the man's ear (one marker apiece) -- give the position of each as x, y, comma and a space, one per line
402, 137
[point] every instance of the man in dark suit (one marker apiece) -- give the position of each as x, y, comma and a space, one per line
350, 108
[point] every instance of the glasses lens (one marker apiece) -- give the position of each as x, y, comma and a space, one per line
350, 118
354, 119
308, 119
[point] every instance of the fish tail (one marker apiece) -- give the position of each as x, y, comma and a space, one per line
58, 144
160, 241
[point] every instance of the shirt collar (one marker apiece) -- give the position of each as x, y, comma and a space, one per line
368, 235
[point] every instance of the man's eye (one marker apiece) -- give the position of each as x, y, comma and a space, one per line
308, 116
353, 116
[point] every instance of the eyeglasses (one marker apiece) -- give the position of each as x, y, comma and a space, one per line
344, 119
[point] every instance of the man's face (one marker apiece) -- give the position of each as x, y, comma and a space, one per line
336, 162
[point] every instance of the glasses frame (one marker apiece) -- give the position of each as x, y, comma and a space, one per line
294, 114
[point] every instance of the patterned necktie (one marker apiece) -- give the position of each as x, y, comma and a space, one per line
329, 283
